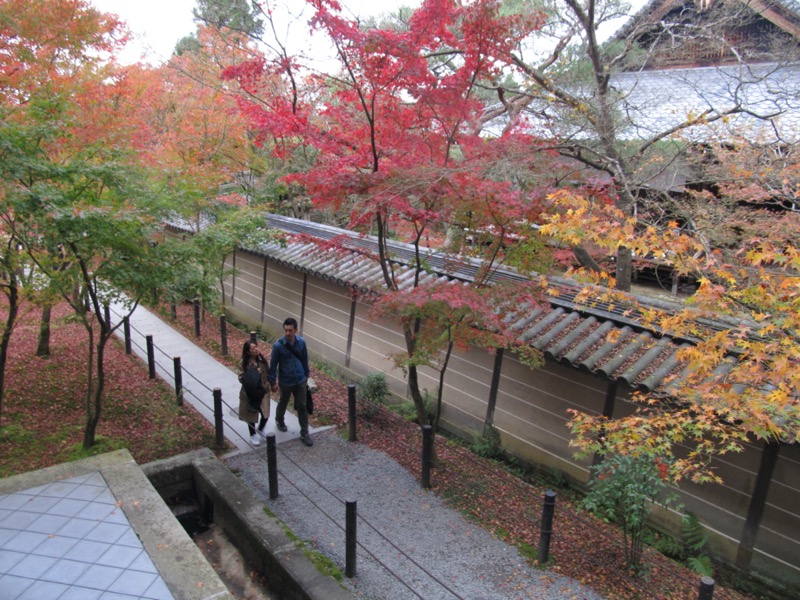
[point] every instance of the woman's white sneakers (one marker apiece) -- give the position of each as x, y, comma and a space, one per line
255, 439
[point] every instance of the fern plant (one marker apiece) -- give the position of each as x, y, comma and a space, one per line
695, 540
408, 410
487, 444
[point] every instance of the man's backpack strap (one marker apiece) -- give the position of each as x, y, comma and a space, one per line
291, 349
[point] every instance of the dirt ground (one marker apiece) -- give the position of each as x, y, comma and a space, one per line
242, 582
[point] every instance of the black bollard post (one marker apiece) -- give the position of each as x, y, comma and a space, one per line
253, 337
351, 412
706, 588
272, 466
151, 357
427, 452
107, 314
350, 539
223, 335
176, 361
196, 318
173, 311
218, 417
126, 326
546, 529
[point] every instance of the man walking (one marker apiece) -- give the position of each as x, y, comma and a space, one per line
288, 366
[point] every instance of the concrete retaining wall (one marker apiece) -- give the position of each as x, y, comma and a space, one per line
233, 507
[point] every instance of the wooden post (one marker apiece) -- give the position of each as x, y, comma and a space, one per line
608, 413
176, 362
495, 384
263, 290
351, 412
272, 466
706, 591
546, 530
151, 357
747, 541
218, 417
303, 301
350, 331
196, 318
350, 539
126, 327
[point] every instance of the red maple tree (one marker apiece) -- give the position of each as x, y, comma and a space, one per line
399, 145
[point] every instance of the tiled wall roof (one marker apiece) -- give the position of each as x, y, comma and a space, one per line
564, 331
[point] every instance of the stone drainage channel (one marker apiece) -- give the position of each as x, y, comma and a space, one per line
221, 552
250, 551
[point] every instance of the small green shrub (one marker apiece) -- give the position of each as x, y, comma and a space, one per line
623, 491
488, 443
372, 392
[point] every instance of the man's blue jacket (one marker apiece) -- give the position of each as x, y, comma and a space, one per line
285, 367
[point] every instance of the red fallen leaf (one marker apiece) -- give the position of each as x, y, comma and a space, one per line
582, 546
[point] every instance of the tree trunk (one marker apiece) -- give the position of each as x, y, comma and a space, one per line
43, 348
585, 259
91, 422
5, 340
416, 395
95, 404
97, 401
438, 413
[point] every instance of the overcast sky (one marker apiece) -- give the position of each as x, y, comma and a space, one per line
159, 24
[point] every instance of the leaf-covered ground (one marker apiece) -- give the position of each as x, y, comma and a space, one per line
44, 406
507, 504
43, 420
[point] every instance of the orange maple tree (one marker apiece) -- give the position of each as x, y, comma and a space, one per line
739, 379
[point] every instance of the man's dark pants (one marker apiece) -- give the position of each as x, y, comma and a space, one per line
299, 392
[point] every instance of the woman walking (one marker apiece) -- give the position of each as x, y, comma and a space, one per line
254, 394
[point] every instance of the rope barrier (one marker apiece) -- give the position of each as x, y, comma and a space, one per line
232, 430
190, 374
479, 466
366, 522
463, 454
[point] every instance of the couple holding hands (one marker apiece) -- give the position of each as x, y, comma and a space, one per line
286, 372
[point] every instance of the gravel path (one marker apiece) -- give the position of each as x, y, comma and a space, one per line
427, 549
